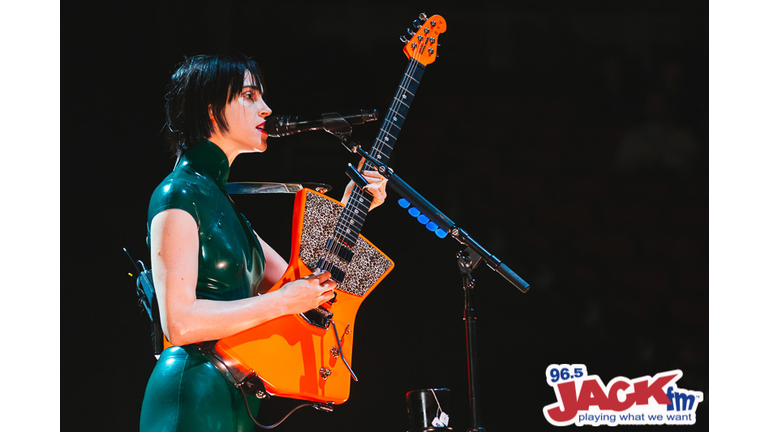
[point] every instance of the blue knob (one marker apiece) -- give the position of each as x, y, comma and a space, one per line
431, 226
413, 211
403, 203
423, 219
441, 233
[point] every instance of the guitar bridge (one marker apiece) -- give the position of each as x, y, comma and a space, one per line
318, 317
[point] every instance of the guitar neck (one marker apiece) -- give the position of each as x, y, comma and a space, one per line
354, 214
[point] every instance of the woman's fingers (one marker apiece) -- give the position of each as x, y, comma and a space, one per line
377, 186
323, 279
326, 285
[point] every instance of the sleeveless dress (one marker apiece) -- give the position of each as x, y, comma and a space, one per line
185, 392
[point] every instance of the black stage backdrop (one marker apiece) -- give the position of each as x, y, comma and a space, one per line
568, 138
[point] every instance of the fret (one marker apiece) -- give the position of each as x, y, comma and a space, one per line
384, 144
353, 216
404, 104
376, 151
352, 227
354, 219
399, 108
412, 78
393, 124
402, 110
407, 91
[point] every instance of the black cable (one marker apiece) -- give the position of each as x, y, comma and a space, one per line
248, 407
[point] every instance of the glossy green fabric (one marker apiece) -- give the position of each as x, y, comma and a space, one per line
230, 260
185, 392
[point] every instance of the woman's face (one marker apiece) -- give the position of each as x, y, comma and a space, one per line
245, 116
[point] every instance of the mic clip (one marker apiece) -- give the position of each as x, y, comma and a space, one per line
338, 126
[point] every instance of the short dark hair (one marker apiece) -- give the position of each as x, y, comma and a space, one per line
198, 82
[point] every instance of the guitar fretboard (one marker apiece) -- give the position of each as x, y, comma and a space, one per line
354, 214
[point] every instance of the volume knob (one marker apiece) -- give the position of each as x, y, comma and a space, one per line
325, 373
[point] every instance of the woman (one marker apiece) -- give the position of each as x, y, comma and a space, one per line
207, 262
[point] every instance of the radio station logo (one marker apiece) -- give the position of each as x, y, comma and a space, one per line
583, 399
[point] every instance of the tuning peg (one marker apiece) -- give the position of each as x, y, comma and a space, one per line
403, 39
423, 17
416, 24
410, 32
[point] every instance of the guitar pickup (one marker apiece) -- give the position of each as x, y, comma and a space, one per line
337, 248
336, 273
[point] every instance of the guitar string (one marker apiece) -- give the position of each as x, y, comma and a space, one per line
355, 199
357, 196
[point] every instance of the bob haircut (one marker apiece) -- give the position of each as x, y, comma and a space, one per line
199, 82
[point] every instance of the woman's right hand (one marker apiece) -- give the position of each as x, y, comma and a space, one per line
308, 292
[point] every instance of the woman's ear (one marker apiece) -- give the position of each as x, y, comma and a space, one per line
215, 128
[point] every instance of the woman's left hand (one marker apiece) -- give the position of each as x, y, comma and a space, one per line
377, 186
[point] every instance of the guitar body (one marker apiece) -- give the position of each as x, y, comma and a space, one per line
292, 357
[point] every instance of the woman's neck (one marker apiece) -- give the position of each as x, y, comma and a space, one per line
226, 145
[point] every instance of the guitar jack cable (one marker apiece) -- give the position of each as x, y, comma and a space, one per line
341, 353
317, 406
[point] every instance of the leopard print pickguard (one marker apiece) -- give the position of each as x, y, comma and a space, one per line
368, 264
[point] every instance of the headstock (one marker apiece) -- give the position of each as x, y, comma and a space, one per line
422, 46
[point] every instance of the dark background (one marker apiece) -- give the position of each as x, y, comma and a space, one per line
569, 138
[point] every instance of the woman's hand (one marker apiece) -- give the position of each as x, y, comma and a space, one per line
377, 186
308, 292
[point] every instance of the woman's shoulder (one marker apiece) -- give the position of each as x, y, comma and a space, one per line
182, 190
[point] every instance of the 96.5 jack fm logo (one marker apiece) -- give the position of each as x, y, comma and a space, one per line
583, 399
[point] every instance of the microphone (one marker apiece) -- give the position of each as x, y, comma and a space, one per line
284, 125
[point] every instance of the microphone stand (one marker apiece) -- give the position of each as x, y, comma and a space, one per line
468, 259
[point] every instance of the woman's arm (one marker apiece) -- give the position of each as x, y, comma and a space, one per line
274, 267
185, 318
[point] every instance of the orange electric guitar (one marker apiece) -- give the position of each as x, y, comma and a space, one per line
308, 356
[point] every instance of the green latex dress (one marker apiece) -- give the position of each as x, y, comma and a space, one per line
185, 392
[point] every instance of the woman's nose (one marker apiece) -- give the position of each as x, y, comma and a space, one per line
265, 110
